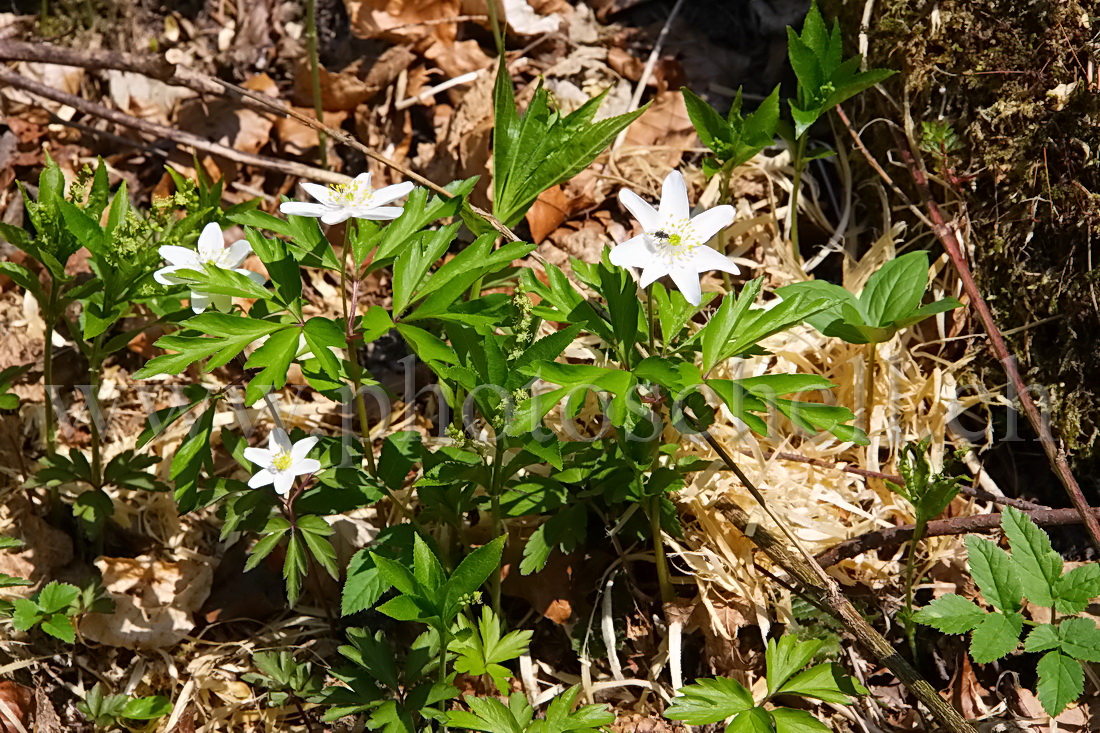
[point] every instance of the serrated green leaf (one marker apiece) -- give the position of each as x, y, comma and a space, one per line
1061, 681
1039, 566
827, 682
787, 720
147, 708
895, 289
1080, 639
1075, 589
1043, 638
997, 635
951, 614
709, 700
61, 627
994, 572
57, 597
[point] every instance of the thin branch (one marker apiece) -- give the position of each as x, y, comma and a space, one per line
894, 536
811, 575
840, 466
1054, 452
290, 168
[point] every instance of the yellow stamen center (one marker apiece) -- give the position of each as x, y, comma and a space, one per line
282, 461
675, 241
352, 193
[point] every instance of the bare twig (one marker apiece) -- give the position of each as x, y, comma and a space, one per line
894, 536
11, 78
811, 575
950, 242
839, 466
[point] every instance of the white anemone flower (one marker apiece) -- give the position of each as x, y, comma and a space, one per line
211, 250
282, 461
352, 200
673, 242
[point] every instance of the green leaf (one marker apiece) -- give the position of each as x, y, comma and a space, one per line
712, 128
56, 597
1075, 589
83, 227
997, 635
1039, 568
216, 280
720, 329
895, 289
24, 278
147, 708
1043, 638
485, 649
1061, 681
59, 626
25, 614
1080, 639
472, 572
826, 682
995, 573
756, 720
787, 720
786, 657
951, 614
709, 700
273, 359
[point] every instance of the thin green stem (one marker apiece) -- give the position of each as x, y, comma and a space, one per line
43, 16
95, 362
494, 510
910, 567
494, 21
315, 71
869, 385
799, 166
47, 366
649, 319
664, 576
350, 315
723, 198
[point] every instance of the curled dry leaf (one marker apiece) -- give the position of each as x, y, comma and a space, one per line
15, 705
154, 601
295, 138
340, 90
547, 213
400, 20
665, 128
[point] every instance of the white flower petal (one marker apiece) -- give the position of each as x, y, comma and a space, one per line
710, 222
211, 242
634, 252
640, 209
378, 213
302, 448
263, 478
302, 208
164, 275
253, 276
199, 301
259, 456
284, 482
654, 270
307, 465
278, 441
317, 191
238, 253
391, 193
180, 256
704, 259
688, 283
674, 199
363, 179
335, 216
223, 303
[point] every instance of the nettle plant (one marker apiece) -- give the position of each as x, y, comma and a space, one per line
1033, 571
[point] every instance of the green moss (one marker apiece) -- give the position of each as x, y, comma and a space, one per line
1029, 163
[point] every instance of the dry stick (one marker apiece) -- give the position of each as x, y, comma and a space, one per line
289, 168
1055, 454
894, 536
972, 491
813, 576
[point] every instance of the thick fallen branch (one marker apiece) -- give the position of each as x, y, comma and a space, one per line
894, 536
178, 137
813, 577
1055, 454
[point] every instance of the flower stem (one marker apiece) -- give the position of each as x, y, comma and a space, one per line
494, 510
315, 70
664, 576
869, 385
910, 566
47, 368
723, 198
351, 339
95, 361
799, 165
649, 319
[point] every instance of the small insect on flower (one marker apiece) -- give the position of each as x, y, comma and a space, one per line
353, 200
282, 461
211, 250
673, 243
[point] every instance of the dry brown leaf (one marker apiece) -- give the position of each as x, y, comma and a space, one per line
46, 719
45, 549
666, 128
15, 705
398, 20
458, 58
296, 138
547, 213
154, 601
340, 90
18, 103
143, 97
